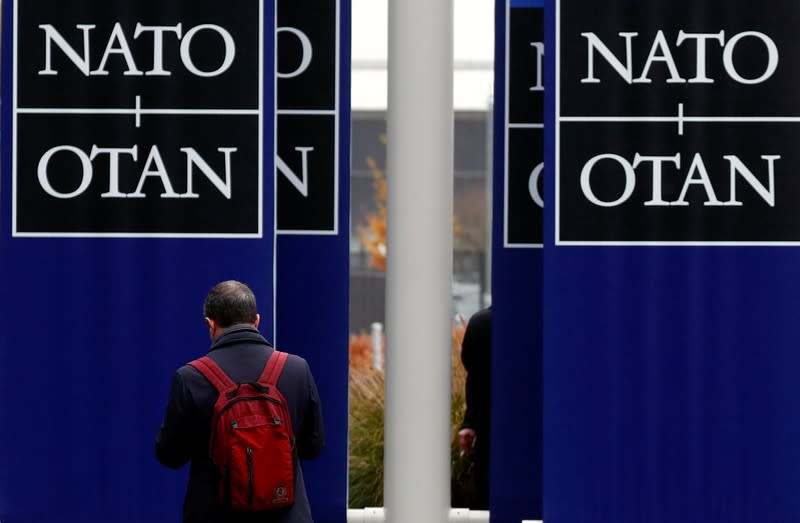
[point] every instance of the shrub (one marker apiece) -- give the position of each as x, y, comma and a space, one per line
366, 426
366, 438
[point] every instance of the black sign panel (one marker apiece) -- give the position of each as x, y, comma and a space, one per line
307, 176
307, 167
677, 125
138, 121
524, 128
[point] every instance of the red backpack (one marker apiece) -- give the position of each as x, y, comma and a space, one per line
252, 443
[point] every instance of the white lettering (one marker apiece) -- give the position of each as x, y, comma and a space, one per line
660, 52
123, 49
51, 35
697, 175
660, 43
86, 172
301, 184
657, 162
630, 180
700, 57
625, 71
227, 39
700, 168
154, 168
192, 158
117, 44
113, 167
768, 195
539, 46
533, 185
158, 45
772, 63
160, 172
305, 61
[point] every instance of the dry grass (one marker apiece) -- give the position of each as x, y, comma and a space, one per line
366, 423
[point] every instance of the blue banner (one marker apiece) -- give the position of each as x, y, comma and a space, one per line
313, 244
516, 406
670, 337
143, 148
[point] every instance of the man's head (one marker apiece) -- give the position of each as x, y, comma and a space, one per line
229, 303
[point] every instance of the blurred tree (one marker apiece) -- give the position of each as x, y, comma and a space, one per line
373, 234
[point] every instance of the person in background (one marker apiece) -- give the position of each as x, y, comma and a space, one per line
474, 434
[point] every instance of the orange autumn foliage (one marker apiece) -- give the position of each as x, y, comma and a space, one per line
373, 235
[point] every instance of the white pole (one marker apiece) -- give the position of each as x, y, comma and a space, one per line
377, 345
457, 515
487, 251
419, 261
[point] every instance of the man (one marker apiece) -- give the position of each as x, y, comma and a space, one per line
474, 433
237, 346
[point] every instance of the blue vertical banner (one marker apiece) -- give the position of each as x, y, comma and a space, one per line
516, 416
140, 154
313, 192
670, 255
134, 145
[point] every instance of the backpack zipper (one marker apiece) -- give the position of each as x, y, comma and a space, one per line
249, 476
219, 414
247, 398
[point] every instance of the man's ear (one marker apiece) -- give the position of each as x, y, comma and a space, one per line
258, 320
212, 326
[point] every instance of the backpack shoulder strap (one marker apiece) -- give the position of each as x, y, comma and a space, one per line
213, 373
273, 368
269, 377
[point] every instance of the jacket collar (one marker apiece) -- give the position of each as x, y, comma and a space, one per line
235, 334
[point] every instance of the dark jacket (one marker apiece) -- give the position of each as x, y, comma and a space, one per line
184, 436
476, 357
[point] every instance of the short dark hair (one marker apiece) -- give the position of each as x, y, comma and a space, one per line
230, 302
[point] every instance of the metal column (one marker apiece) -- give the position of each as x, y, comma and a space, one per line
419, 261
